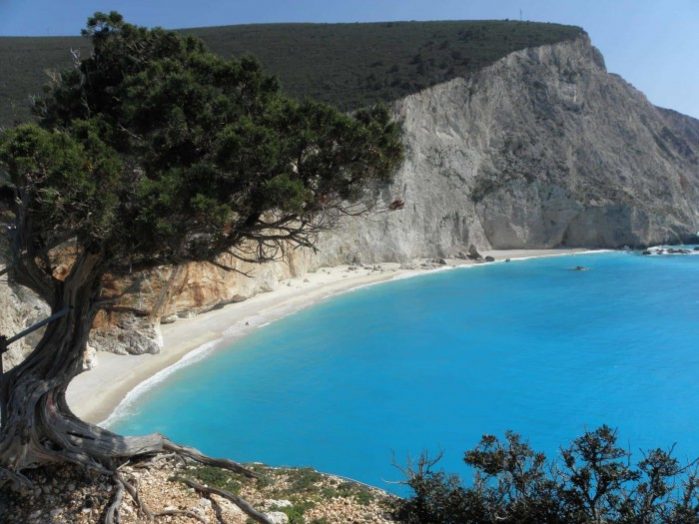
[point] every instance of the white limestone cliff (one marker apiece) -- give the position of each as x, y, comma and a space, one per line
544, 148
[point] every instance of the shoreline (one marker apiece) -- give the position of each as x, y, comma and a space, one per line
105, 392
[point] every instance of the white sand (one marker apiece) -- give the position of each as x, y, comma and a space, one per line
95, 394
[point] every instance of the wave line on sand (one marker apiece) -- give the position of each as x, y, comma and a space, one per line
189, 358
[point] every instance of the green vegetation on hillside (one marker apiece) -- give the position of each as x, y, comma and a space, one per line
303, 488
26, 65
348, 65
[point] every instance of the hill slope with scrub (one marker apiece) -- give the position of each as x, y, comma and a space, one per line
347, 65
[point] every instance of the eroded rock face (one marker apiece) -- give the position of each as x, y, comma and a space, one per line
124, 333
542, 149
167, 294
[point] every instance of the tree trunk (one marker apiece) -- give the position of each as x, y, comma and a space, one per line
34, 414
36, 425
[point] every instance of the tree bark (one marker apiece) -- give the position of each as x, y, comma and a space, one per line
32, 395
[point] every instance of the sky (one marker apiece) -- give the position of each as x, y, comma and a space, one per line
653, 44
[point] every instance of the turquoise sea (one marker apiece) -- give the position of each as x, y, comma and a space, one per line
362, 380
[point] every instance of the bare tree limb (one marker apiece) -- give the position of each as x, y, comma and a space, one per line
111, 515
241, 503
185, 512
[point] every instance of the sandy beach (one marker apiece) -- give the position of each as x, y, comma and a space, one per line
95, 394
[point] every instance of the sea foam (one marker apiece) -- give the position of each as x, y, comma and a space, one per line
124, 408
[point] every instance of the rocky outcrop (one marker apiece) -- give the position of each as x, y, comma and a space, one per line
166, 294
66, 495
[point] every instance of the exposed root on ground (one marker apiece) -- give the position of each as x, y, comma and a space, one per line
18, 481
183, 512
146, 452
52, 434
130, 485
154, 492
241, 503
111, 514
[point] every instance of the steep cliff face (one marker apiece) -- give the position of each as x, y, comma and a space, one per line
542, 149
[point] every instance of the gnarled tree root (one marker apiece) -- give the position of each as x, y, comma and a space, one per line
241, 503
186, 513
111, 514
41, 429
94, 448
130, 486
18, 481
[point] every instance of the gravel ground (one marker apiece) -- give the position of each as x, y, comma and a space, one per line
296, 496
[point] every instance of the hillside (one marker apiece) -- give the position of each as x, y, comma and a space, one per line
349, 65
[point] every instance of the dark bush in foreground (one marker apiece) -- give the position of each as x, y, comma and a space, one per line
594, 482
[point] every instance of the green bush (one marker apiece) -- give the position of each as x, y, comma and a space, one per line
596, 482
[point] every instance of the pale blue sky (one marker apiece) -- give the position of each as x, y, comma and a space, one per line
654, 44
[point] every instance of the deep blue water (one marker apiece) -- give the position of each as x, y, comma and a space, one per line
436, 361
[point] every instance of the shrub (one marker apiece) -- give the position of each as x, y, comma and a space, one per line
596, 482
